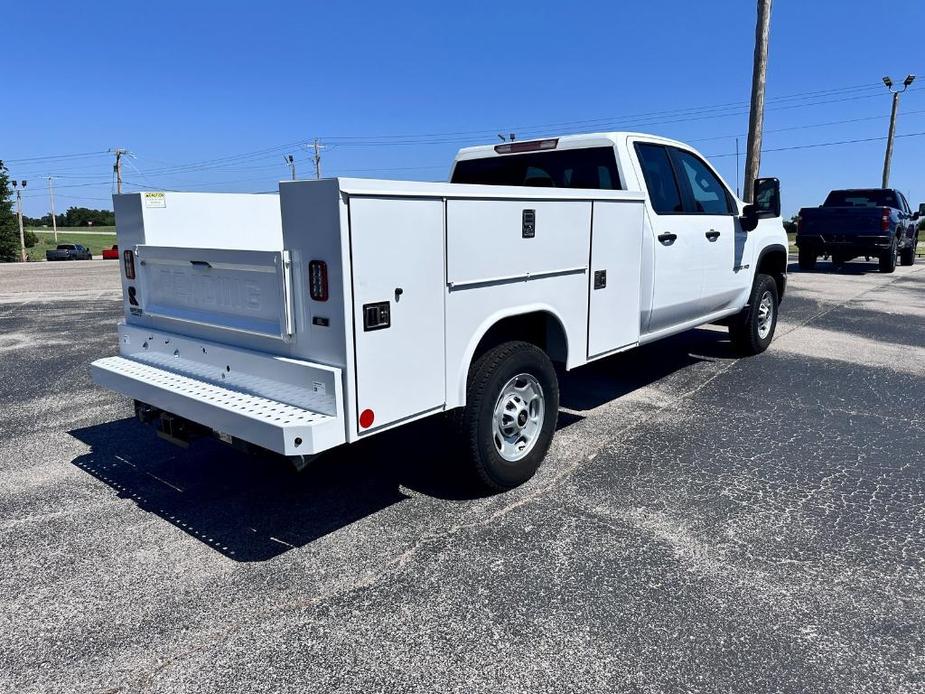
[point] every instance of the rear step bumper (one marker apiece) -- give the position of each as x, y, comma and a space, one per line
245, 409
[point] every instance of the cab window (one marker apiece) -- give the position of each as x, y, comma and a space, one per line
660, 178
707, 194
590, 167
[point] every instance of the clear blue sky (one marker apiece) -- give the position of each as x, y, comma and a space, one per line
183, 84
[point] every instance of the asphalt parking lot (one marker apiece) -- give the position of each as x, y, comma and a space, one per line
702, 523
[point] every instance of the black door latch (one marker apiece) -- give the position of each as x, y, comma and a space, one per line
529, 224
600, 279
376, 316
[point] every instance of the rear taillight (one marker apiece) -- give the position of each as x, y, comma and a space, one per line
128, 260
318, 280
885, 219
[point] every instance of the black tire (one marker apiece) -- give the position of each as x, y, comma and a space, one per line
488, 376
745, 328
888, 259
807, 260
907, 255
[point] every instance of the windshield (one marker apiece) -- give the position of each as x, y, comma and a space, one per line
875, 197
592, 167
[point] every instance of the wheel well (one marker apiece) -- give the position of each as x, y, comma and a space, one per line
773, 262
540, 328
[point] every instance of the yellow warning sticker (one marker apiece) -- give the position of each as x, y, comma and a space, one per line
155, 199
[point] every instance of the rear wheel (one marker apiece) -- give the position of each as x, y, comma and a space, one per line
807, 260
752, 329
512, 403
907, 255
888, 259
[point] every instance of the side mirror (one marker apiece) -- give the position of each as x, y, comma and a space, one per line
767, 198
766, 205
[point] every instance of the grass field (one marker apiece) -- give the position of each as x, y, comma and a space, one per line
104, 237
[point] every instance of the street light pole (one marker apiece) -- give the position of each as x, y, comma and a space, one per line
888, 157
22, 237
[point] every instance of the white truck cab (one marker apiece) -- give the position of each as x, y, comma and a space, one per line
345, 307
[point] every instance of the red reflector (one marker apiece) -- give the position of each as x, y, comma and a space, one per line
318, 280
531, 146
366, 418
128, 259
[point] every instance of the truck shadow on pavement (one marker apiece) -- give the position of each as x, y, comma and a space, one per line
851, 268
608, 379
252, 508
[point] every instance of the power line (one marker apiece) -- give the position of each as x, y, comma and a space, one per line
801, 127
56, 156
734, 104
821, 144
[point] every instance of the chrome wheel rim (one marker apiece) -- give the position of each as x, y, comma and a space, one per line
518, 417
765, 314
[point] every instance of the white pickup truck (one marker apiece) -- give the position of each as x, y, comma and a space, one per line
344, 307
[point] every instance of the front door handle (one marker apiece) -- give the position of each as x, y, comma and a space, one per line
713, 234
667, 239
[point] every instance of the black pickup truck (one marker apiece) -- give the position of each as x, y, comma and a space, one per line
871, 222
69, 251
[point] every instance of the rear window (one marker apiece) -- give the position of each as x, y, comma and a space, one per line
67, 247
874, 197
592, 167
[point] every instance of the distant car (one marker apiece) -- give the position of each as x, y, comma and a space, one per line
69, 251
873, 222
111, 253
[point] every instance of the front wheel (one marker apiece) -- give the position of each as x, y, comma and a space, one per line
512, 403
752, 329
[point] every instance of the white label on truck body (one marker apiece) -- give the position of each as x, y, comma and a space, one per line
155, 199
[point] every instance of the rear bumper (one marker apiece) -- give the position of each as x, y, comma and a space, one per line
283, 405
859, 244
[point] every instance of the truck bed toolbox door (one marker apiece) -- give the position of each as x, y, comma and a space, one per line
616, 265
398, 302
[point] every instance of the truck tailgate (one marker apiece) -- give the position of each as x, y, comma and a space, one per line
239, 290
841, 220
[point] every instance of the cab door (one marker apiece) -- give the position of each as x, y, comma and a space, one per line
713, 219
677, 248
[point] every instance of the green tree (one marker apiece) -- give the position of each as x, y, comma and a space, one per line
9, 227
84, 216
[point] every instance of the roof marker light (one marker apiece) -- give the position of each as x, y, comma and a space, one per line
527, 146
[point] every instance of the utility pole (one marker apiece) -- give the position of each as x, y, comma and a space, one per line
317, 158
290, 160
888, 158
117, 167
22, 237
756, 112
51, 195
